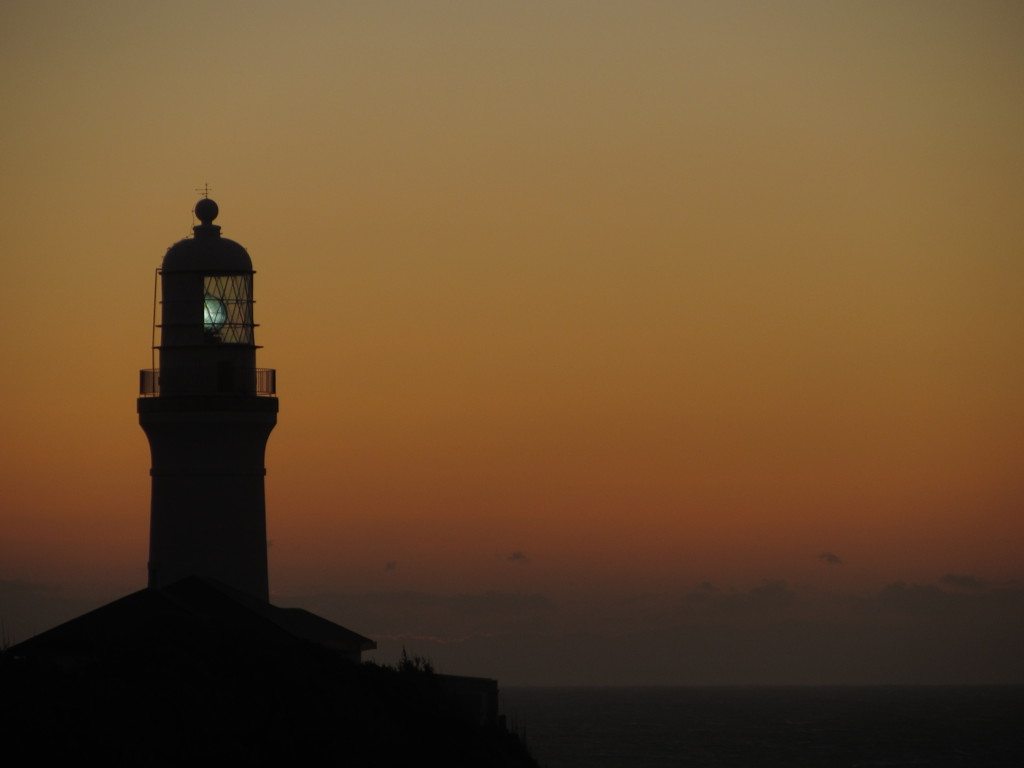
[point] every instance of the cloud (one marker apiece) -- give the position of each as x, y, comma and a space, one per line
915, 599
411, 613
969, 602
963, 581
771, 596
708, 603
771, 634
518, 557
830, 558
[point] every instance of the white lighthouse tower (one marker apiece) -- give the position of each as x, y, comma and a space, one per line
207, 412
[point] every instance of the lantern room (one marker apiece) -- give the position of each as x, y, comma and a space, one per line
206, 330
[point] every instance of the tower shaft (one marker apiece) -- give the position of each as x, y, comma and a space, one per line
207, 512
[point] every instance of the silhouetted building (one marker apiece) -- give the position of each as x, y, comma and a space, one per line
207, 411
200, 665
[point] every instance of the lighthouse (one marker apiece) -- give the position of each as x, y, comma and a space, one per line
207, 411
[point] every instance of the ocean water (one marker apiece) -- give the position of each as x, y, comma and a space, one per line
862, 727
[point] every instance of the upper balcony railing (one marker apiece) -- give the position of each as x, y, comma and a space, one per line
265, 383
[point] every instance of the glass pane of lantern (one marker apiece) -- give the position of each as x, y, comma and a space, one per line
228, 308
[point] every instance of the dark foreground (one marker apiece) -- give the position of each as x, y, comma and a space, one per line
307, 708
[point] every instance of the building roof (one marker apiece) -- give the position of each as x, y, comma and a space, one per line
193, 613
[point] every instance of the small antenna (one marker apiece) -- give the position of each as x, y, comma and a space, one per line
205, 192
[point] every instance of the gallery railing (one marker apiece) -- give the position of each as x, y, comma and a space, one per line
265, 383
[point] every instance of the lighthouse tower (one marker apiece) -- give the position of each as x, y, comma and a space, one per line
207, 412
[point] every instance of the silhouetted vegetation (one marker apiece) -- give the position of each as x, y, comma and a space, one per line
414, 664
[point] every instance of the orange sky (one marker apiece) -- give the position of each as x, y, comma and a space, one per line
652, 293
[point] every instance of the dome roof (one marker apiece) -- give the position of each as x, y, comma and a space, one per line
213, 255
207, 251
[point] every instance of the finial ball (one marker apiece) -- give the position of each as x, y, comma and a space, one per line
206, 210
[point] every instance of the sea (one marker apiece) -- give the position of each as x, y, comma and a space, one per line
741, 727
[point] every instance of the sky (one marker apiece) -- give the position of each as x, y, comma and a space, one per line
616, 342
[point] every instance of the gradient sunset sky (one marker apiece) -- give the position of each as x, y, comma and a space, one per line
586, 315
